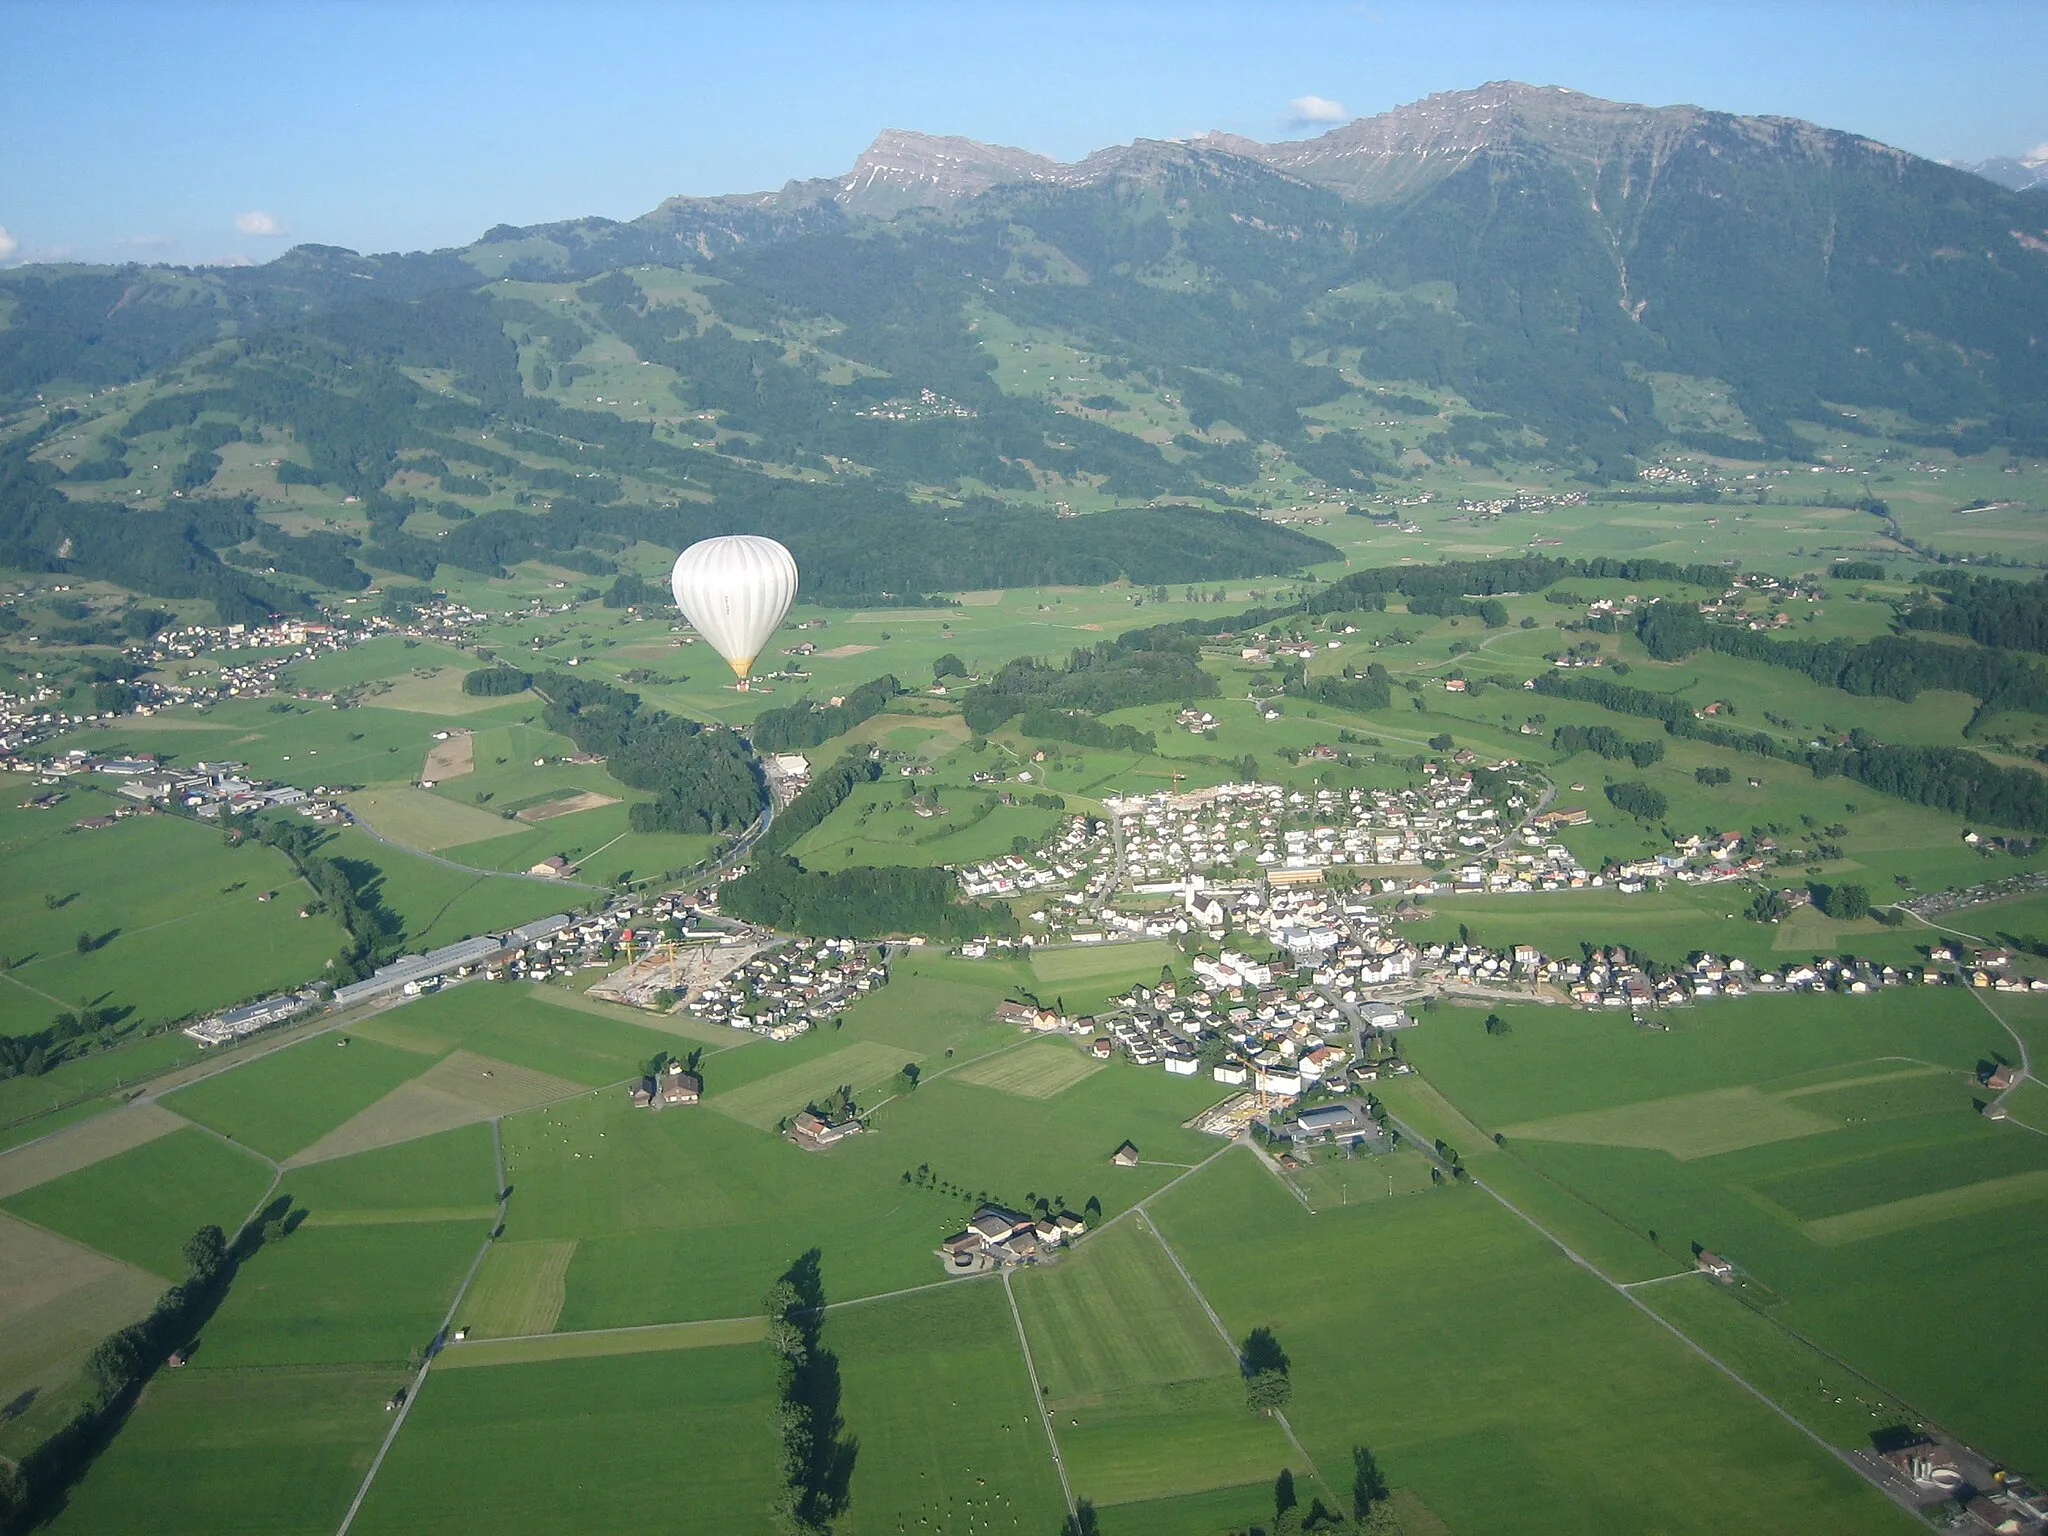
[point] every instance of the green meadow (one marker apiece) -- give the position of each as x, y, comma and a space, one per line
1491, 1377
1831, 1147
142, 1205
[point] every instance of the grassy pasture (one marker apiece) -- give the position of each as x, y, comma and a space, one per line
420, 819
585, 1444
336, 1295
1145, 1396
1981, 1199
1561, 1061
519, 1290
242, 1452
290, 1098
1690, 1125
73, 1147
1816, 1390
1031, 1071
1086, 962
1331, 1179
170, 910
936, 1392
1523, 1382
435, 904
57, 1300
143, 1204
461, 1089
762, 1102
1117, 1314
707, 1333
682, 1214
452, 1168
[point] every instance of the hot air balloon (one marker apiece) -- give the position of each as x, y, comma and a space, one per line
735, 589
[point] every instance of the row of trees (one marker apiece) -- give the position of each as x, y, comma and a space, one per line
815, 1470
122, 1363
1947, 778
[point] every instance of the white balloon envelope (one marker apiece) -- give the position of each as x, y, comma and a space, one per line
736, 590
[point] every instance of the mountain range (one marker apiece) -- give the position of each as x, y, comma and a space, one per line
1508, 274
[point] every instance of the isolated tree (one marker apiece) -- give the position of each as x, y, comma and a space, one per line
1081, 1522
1267, 1392
947, 666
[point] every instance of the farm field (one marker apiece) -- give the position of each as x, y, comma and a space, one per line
451, 1168
237, 1451
936, 1394
1145, 1396
57, 1300
1031, 1071
460, 1089
292, 1097
1839, 1159
191, 1179
169, 914
343, 1295
490, 1446
1546, 1372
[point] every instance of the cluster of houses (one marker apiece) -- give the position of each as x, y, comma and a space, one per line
791, 989
1082, 849
997, 1235
1244, 827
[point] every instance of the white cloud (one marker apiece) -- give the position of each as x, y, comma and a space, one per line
264, 225
8, 244
1308, 110
2036, 156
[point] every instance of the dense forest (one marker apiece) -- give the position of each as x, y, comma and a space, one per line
863, 902
1092, 681
807, 723
1989, 610
703, 779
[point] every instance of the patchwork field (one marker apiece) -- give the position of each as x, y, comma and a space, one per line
1495, 1379
1691, 1125
1876, 1232
290, 1098
142, 1205
80, 1146
1031, 1071
460, 1089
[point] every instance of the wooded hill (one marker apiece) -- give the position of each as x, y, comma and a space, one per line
1533, 253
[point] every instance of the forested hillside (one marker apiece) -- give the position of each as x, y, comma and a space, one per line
917, 403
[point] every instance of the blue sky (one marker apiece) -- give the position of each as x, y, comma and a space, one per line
210, 130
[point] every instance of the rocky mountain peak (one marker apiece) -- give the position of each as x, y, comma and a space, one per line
902, 169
